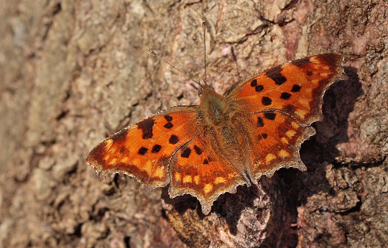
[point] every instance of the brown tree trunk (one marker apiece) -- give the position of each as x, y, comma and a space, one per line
73, 72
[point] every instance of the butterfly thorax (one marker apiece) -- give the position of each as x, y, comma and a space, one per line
214, 108
219, 124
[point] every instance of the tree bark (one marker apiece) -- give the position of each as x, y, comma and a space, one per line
74, 72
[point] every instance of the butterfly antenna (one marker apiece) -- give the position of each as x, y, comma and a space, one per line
204, 53
235, 61
184, 73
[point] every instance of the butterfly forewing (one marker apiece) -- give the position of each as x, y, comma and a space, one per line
145, 149
295, 89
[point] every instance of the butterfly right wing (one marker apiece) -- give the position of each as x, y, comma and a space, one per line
144, 150
283, 102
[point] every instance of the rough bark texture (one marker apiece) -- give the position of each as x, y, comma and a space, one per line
73, 72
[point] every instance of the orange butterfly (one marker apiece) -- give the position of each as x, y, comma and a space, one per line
254, 129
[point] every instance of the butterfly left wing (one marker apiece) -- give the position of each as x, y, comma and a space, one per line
144, 150
169, 148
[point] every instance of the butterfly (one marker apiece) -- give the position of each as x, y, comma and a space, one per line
253, 129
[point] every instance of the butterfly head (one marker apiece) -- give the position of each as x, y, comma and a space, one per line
205, 89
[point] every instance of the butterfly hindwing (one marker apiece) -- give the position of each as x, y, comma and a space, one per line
276, 142
145, 149
197, 170
295, 89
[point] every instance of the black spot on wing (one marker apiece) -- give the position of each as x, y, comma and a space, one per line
173, 139
198, 150
260, 122
156, 148
259, 88
146, 126
270, 115
266, 101
168, 125
262, 136
285, 96
142, 151
186, 153
296, 88
168, 118
277, 76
